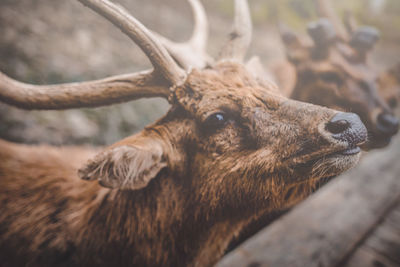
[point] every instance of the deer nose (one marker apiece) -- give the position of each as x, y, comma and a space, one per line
387, 124
347, 127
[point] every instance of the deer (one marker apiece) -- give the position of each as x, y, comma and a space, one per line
334, 71
230, 148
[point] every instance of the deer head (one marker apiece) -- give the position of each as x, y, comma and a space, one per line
334, 71
231, 145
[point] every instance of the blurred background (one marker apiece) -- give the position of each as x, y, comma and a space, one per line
55, 41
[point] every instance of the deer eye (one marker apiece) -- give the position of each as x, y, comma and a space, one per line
215, 121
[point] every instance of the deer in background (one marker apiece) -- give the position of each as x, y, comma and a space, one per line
230, 148
334, 71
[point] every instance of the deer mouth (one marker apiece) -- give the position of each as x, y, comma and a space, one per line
326, 163
344, 153
351, 151
309, 158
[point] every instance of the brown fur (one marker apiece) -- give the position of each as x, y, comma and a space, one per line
191, 188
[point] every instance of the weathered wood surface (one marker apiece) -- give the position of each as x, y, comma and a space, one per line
326, 228
382, 247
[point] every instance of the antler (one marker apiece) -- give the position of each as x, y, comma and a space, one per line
106, 91
193, 52
96, 93
326, 10
240, 38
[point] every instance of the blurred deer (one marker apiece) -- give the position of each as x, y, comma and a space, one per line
334, 71
229, 149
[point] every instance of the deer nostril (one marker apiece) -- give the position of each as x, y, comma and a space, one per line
347, 127
339, 126
387, 123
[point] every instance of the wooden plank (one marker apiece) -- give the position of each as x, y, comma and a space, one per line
327, 227
365, 257
383, 244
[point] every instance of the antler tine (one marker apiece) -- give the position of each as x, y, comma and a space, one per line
350, 22
193, 52
116, 89
240, 38
326, 10
200, 32
152, 47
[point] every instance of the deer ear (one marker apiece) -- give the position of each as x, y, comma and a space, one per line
289, 38
322, 32
128, 166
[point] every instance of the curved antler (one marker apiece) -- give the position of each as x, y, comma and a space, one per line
193, 52
200, 32
114, 89
240, 38
326, 10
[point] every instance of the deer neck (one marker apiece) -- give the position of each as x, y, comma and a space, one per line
161, 225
